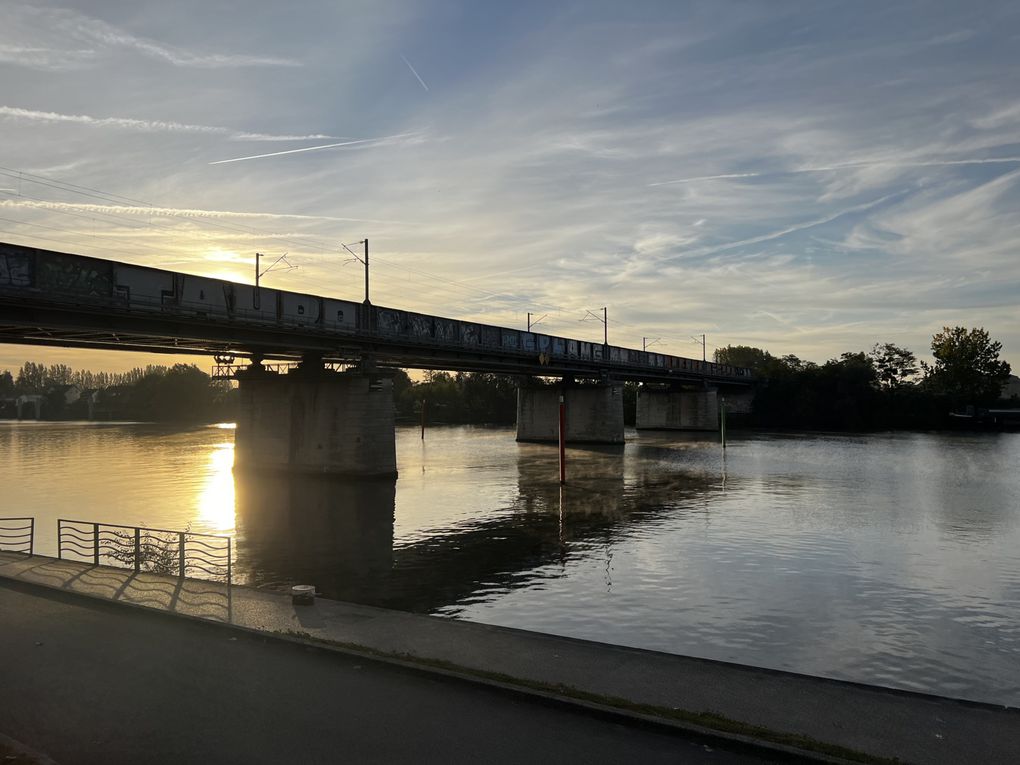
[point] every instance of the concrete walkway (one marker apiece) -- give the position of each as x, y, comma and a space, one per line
95, 683
785, 707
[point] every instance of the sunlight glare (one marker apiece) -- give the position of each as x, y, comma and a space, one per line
216, 502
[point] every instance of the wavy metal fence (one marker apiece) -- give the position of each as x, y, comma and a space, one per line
183, 554
17, 535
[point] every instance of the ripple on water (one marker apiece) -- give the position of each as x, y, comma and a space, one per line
889, 558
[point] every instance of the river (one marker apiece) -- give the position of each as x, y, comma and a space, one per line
891, 559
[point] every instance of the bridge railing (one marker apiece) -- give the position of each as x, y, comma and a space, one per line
184, 554
17, 535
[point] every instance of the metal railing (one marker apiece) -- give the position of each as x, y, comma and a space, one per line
228, 371
17, 535
184, 554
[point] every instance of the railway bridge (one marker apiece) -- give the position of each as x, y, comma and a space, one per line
332, 410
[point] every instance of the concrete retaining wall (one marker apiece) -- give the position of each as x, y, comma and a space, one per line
594, 413
316, 422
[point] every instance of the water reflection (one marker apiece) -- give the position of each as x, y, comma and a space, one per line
889, 558
337, 535
216, 501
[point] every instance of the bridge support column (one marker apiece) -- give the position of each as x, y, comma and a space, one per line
677, 409
316, 421
594, 413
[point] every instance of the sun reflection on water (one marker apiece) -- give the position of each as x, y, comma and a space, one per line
216, 502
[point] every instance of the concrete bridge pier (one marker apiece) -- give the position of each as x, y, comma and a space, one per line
314, 420
673, 408
594, 413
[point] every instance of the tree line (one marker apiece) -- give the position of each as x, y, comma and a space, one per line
886, 387
177, 393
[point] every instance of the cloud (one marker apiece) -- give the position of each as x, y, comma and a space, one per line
62, 28
813, 166
880, 163
180, 212
150, 126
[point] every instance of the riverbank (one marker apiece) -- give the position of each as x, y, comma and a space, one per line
824, 717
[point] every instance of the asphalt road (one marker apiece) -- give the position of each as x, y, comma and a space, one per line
92, 682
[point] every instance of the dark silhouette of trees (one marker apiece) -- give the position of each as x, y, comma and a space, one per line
181, 393
463, 397
967, 369
895, 367
876, 390
748, 356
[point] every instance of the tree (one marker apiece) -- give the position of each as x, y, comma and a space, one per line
895, 367
967, 368
32, 378
743, 356
6, 384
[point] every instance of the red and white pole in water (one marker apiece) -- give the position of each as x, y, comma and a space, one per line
563, 440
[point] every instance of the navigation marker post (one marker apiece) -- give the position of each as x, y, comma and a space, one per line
563, 440
722, 421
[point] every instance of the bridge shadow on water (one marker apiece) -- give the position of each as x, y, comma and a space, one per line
339, 535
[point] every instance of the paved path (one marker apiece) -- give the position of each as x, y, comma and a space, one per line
92, 682
912, 727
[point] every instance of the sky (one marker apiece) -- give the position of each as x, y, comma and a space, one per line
806, 177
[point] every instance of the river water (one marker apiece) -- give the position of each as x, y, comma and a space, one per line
891, 559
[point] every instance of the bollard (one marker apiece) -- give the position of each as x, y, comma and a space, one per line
302, 594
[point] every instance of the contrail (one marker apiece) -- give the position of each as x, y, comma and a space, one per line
707, 178
153, 126
712, 249
415, 73
311, 148
848, 166
177, 212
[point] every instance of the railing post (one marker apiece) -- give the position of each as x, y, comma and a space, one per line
31, 537
95, 544
229, 559
60, 539
138, 549
180, 552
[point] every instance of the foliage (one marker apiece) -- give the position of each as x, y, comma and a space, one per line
158, 552
879, 389
755, 359
967, 368
463, 397
180, 393
894, 366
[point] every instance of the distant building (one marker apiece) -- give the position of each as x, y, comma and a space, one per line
66, 394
